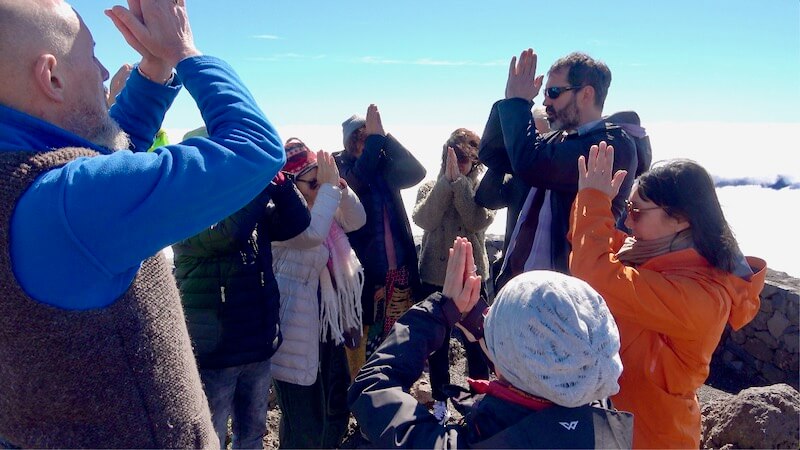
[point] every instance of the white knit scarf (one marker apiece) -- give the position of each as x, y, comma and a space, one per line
340, 305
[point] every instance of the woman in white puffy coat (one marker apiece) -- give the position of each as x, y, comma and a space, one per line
320, 281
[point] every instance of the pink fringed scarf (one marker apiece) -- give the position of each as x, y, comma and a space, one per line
341, 285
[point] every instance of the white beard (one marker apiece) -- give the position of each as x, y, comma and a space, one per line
96, 126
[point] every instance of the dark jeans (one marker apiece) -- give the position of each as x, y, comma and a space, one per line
316, 416
439, 361
241, 392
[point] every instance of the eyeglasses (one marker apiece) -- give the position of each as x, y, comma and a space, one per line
555, 92
634, 213
312, 183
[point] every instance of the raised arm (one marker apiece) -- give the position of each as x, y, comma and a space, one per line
383, 156
139, 95
402, 170
492, 151
661, 301
433, 199
322, 215
542, 163
287, 215
351, 214
227, 235
379, 396
492, 192
475, 217
93, 221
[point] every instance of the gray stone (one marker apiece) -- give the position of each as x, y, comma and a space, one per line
761, 417
793, 307
769, 290
777, 324
757, 348
728, 357
786, 361
778, 300
738, 337
766, 304
736, 365
759, 323
421, 390
773, 374
767, 339
791, 341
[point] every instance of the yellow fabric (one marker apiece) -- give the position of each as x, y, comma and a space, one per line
671, 312
356, 358
160, 140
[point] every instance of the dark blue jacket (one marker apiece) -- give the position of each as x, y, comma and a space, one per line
384, 168
391, 418
511, 144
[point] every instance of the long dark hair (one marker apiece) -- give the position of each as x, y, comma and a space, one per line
685, 190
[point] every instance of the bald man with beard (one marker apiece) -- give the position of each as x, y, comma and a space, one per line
94, 350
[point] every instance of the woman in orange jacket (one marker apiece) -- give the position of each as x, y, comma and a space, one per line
671, 286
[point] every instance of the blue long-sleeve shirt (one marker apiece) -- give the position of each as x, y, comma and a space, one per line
80, 232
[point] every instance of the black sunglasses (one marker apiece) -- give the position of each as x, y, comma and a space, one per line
312, 183
555, 92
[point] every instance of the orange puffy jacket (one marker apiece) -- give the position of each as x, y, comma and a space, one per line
671, 312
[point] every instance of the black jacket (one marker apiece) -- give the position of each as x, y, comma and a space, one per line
497, 190
510, 144
384, 168
228, 290
391, 417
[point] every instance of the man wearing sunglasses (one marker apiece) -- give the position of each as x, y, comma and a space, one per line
575, 92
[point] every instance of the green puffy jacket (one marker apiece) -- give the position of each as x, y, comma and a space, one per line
228, 290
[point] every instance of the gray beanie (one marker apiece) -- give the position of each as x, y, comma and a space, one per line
197, 132
553, 336
350, 125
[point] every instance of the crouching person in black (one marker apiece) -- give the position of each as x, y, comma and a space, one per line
555, 350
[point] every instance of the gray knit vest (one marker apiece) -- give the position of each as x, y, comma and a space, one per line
119, 376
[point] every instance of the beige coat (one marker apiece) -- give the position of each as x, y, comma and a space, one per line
445, 210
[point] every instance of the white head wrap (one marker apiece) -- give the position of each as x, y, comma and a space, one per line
553, 336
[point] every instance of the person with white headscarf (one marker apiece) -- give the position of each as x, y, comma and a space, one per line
555, 350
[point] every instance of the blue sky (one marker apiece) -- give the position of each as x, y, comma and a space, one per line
715, 81
445, 62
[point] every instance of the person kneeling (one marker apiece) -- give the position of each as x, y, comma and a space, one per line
555, 349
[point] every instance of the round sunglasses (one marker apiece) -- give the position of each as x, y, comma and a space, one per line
635, 213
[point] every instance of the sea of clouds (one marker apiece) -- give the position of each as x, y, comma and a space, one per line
756, 168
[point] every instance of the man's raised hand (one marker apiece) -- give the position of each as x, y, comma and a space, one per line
159, 31
522, 80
